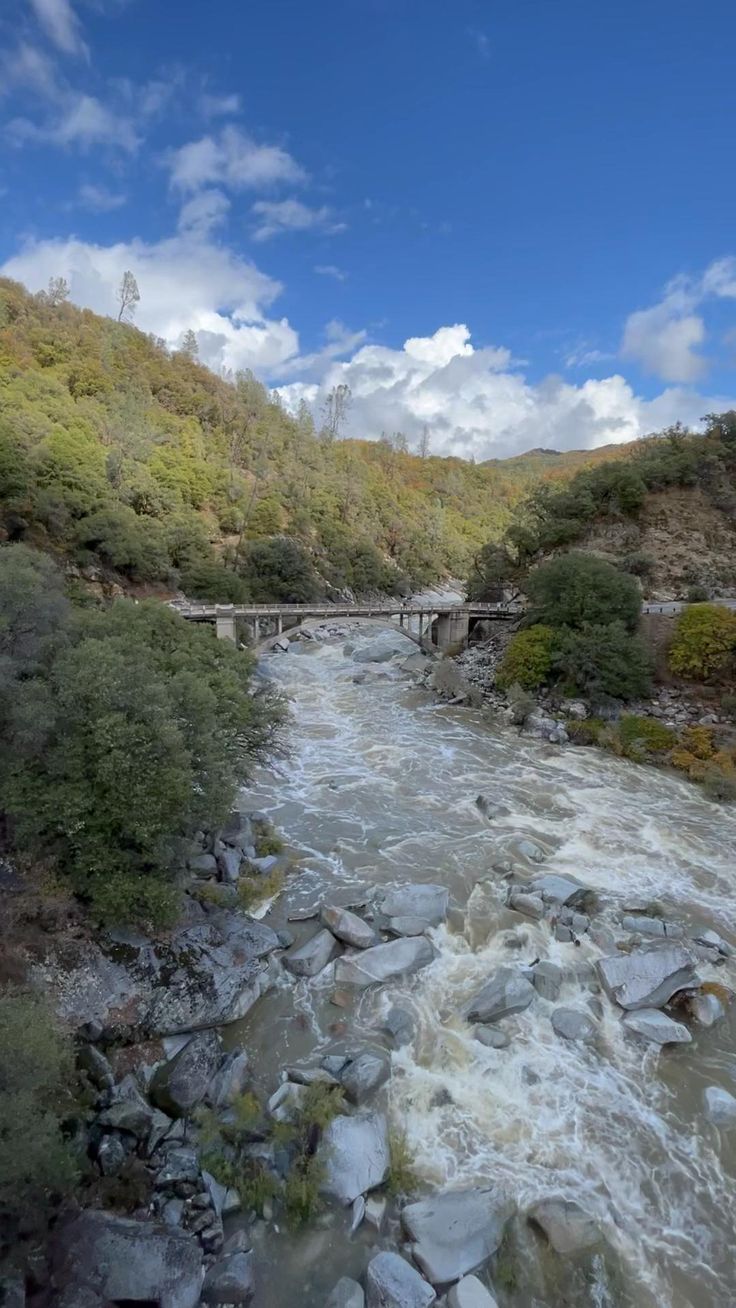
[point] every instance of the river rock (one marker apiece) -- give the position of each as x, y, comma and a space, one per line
470, 1293
491, 1037
287, 1102
203, 866
127, 1109
310, 958
230, 1079
127, 1261
181, 1083
571, 1024
237, 831
528, 905
705, 1009
566, 1225
547, 979
427, 902
229, 861
399, 1024
231, 1280
711, 939
181, 1167
720, 1107
111, 1154
382, 962
651, 1024
507, 992
391, 1282
13, 1290
97, 1066
364, 1075
558, 889
407, 926
349, 928
378, 651
648, 977
346, 1294
375, 1212
644, 926
354, 1153
455, 1232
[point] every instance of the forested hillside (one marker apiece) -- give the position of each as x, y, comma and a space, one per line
117, 453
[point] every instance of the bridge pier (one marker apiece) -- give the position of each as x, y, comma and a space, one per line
225, 627
452, 631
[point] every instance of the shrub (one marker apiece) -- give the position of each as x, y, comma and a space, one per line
698, 741
638, 565
253, 891
131, 544
728, 706
279, 569
521, 704
206, 579
641, 735
402, 1177
586, 732
578, 590
697, 595
704, 642
528, 659
601, 661
719, 785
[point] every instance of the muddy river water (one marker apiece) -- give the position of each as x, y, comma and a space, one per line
380, 789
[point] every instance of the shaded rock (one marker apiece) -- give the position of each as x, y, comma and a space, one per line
237, 831
231, 1280
720, 1107
354, 1153
311, 957
711, 939
111, 1154
311, 1076
491, 1037
399, 1024
391, 1282
180, 1168
646, 978
228, 864
203, 865
375, 1212
181, 1083
97, 1066
455, 1232
128, 1110
334, 1063
348, 927
127, 1261
563, 934
172, 1212
229, 1081
644, 926
428, 902
346, 1294
566, 1225
547, 979
470, 1293
705, 1009
78, 1296
571, 1024
407, 926
529, 905
507, 992
653, 1025
12, 1291
364, 1075
395, 958
557, 889
287, 1102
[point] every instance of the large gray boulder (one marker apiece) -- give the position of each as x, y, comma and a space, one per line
648, 977
547, 979
181, 1083
354, 1153
314, 955
348, 927
346, 1294
456, 1232
507, 992
424, 901
720, 1107
470, 1293
566, 1225
128, 1261
556, 888
395, 958
364, 1075
651, 1024
231, 1280
230, 1079
572, 1024
391, 1282
127, 1109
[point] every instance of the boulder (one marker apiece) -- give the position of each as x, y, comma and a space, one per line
547, 979
391, 1282
181, 1083
644, 926
375, 1212
181, 1167
378, 651
97, 1066
648, 977
287, 1102
558, 889
229, 1081
711, 939
310, 958
346, 1294
203, 866
349, 928
231, 1280
720, 1107
111, 1154
382, 962
528, 905
128, 1261
228, 864
566, 1225
127, 1109
455, 1232
571, 1024
651, 1024
427, 902
354, 1153
364, 1076
470, 1293
237, 831
399, 1024
507, 992
491, 1037
705, 1009
407, 926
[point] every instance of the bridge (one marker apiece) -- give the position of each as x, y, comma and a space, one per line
435, 627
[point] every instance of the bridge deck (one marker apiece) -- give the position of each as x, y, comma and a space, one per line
208, 612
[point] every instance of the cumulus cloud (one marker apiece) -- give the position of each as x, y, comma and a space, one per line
232, 159
666, 338
204, 212
100, 199
273, 217
60, 24
84, 122
185, 282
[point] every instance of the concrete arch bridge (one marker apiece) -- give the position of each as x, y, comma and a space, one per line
436, 628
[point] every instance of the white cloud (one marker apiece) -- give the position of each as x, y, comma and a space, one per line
339, 341
204, 212
277, 216
331, 270
666, 337
60, 24
27, 66
232, 159
99, 199
219, 106
185, 282
84, 122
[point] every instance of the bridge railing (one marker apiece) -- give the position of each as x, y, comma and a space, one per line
330, 610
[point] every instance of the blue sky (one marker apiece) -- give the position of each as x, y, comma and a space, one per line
513, 223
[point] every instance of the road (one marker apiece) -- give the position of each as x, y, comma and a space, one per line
676, 606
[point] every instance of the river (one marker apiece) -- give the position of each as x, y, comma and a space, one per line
380, 788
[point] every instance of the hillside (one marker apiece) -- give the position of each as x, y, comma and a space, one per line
118, 455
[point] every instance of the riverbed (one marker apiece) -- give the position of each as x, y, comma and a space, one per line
380, 788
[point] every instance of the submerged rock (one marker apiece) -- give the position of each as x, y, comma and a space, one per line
528, 905
364, 1076
127, 1261
346, 1294
566, 1225
395, 958
491, 1037
646, 978
507, 992
651, 1024
571, 1024
349, 928
399, 1024
354, 1152
310, 958
547, 979
470, 1293
555, 888
391, 1282
428, 902
720, 1107
455, 1232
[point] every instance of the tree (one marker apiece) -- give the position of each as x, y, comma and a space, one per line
279, 569
335, 411
128, 295
704, 643
577, 589
492, 572
58, 291
423, 447
602, 661
528, 659
189, 345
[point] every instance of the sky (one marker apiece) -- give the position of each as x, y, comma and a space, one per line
505, 222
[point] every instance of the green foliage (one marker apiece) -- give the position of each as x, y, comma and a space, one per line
402, 1177
36, 1073
493, 569
255, 890
267, 841
528, 659
728, 706
133, 545
578, 590
697, 595
279, 569
521, 704
641, 736
719, 785
585, 732
603, 662
704, 642
302, 1198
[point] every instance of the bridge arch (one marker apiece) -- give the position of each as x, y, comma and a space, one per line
382, 624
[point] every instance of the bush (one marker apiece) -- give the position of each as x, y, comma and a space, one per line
719, 785
585, 732
638, 565
603, 661
133, 545
698, 741
521, 704
640, 736
728, 706
697, 595
279, 569
528, 659
704, 642
579, 590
